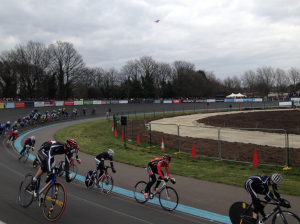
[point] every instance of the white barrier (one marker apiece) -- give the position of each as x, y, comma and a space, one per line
59, 103
211, 100
123, 101
78, 102
39, 104
285, 104
97, 102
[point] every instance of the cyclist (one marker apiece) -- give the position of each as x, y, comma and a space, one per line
35, 159
6, 128
154, 167
99, 160
259, 184
1, 128
66, 114
46, 155
93, 111
29, 141
84, 110
75, 111
13, 135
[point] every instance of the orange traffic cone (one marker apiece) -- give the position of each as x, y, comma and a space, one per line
116, 133
123, 135
138, 140
112, 128
145, 115
128, 117
206, 110
162, 145
193, 151
255, 159
240, 108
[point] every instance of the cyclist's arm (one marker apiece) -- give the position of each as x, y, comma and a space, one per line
276, 191
111, 163
159, 170
167, 172
67, 163
269, 194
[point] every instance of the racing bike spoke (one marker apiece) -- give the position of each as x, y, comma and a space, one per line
25, 192
107, 184
89, 179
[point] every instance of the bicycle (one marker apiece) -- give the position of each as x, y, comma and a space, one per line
168, 197
93, 112
73, 168
105, 182
241, 211
73, 116
55, 197
24, 156
10, 141
82, 113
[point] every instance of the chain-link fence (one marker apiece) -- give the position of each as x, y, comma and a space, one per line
293, 147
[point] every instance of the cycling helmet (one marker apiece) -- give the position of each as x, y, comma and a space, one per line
49, 140
276, 178
167, 156
23, 117
71, 144
32, 138
8, 122
16, 131
54, 111
111, 152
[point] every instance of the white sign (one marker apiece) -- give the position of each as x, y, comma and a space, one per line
78, 102
59, 103
38, 104
210, 100
238, 100
123, 101
285, 104
97, 102
167, 101
257, 99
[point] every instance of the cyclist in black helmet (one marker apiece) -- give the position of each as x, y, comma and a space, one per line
259, 184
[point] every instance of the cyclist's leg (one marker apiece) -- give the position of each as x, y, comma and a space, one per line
151, 171
158, 182
252, 191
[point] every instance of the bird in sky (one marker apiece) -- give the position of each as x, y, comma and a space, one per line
157, 21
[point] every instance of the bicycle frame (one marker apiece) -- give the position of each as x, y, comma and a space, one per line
243, 216
52, 181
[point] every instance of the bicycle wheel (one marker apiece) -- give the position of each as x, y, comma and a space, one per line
237, 209
60, 170
138, 191
168, 199
107, 184
25, 156
8, 143
54, 203
89, 180
73, 169
25, 192
289, 217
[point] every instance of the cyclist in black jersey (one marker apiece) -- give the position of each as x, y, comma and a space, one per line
100, 161
259, 184
46, 154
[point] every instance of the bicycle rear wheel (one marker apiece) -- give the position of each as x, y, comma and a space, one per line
168, 198
107, 184
73, 169
289, 217
237, 209
25, 192
54, 204
89, 179
25, 156
138, 191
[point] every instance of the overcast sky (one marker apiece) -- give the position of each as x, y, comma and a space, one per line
227, 37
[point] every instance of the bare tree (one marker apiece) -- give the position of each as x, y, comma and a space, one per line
294, 75
232, 85
266, 79
181, 72
281, 81
249, 81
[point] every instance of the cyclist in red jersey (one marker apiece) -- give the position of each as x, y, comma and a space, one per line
154, 167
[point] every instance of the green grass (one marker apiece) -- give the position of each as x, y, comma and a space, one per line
95, 137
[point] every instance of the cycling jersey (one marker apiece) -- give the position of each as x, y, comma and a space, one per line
28, 142
6, 127
100, 160
259, 184
13, 134
157, 164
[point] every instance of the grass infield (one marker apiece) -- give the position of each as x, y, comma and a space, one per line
96, 137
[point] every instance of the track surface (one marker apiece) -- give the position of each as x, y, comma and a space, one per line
90, 205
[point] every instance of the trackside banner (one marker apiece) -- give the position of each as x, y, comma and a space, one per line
9, 105
96, 101
59, 103
200, 101
19, 104
123, 101
49, 104
238, 100
220, 100
1, 105
69, 103
229, 100
103, 101
78, 102
87, 102
176, 101
210, 100
38, 104
167, 101
258, 99
157, 101
187, 101
114, 101
247, 100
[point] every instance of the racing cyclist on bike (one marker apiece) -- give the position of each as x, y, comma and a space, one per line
259, 184
35, 159
29, 141
99, 160
13, 136
154, 167
46, 158
6, 128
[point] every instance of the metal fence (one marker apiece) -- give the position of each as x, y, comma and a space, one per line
274, 146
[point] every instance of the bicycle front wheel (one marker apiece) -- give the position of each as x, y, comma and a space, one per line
60, 169
290, 218
73, 169
138, 191
107, 184
168, 199
89, 180
237, 209
25, 192
25, 156
55, 201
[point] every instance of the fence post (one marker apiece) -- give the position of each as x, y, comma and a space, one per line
135, 114
163, 112
194, 110
182, 110
132, 130
178, 138
154, 112
150, 133
144, 114
173, 111
287, 149
219, 143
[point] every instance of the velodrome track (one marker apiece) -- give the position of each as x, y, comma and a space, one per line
91, 206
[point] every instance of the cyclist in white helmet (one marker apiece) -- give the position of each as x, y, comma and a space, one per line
259, 184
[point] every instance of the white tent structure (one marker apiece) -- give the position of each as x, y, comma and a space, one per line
239, 95
232, 95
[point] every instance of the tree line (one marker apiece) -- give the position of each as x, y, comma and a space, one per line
36, 70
